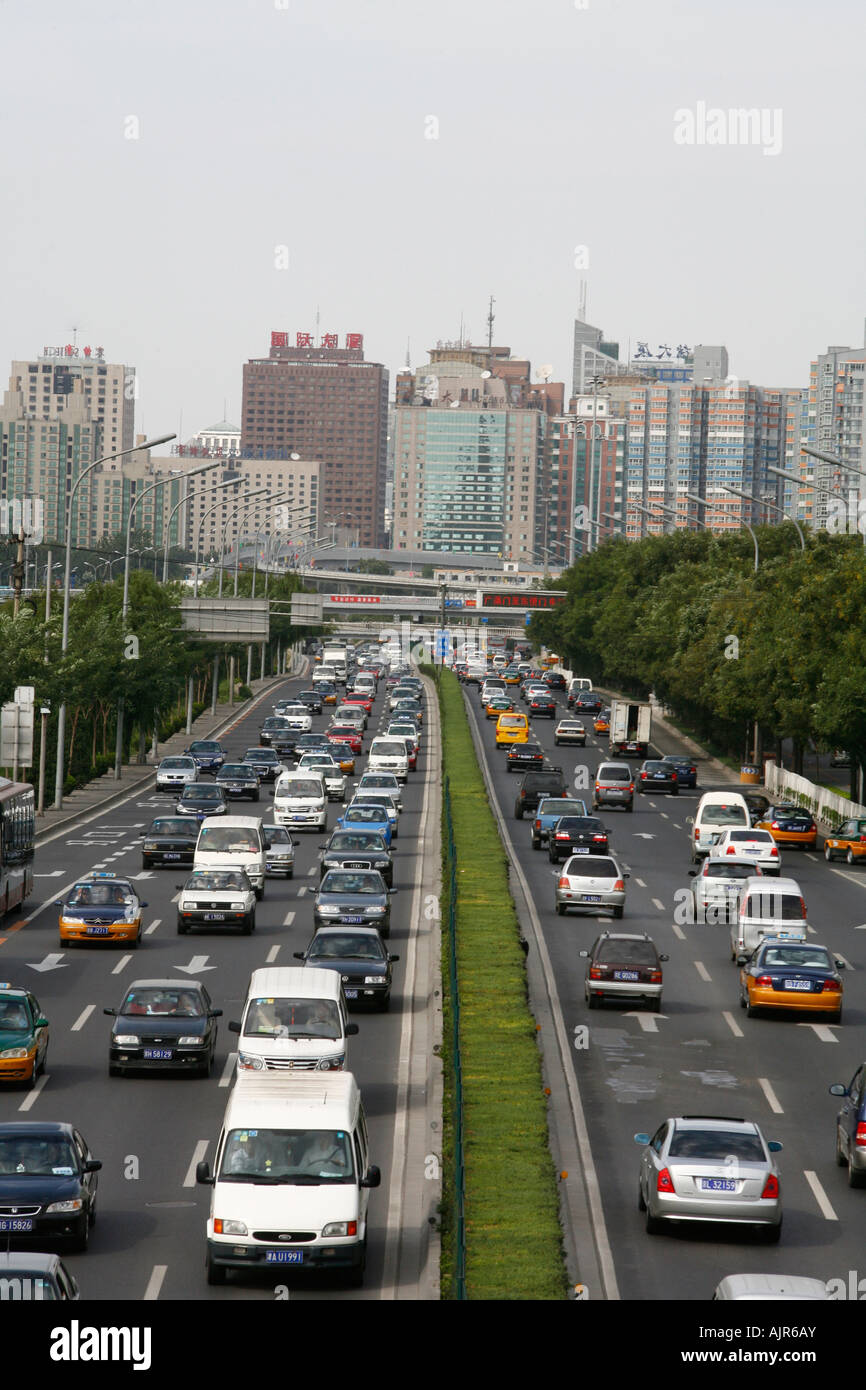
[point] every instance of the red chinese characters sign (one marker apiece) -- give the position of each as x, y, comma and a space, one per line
355, 598
526, 599
354, 341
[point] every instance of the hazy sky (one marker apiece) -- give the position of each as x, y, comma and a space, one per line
306, 124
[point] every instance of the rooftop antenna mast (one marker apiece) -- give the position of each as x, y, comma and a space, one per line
490, 317
582, 308
408, 358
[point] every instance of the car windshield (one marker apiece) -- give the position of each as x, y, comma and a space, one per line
716, 1145
656, 766
589, 866
230, 770
301, 786
37, 1155
275, 835
177, 826
217, 881
614, 774
787, 811
368, 798
726, 869
292, 1018
339, 881
227, 839
13, 1014
559, 806
27, 1283
202, 794
261, 755
204, 746
275, 722
345, 840
388, 748
372, 815
797, 956
99, 895
770, 906
723, 815
346, 946
173, 764
287, 1155
155, 1001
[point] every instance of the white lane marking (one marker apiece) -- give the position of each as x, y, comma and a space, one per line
770, 1094
302, 891
198, 1154
154, 1283
677, 825
314, 869
703, 971
176, 898
658, 904
811, 930
678, 931
55, 873
272, 955
228, 1069
664, 815
732, 1024
82, 1019
807, 855
288, 919
821, 1030
157, 921
101, 865
30, 1099
820, 1195
640, 883
647, 1021
121, 964
849, 877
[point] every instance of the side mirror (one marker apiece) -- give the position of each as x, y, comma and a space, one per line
234, 1026
392, 958
145, 904
690, 820
626, 875
585, 954
774, 1146
215, 1013
837, 1089
351, 1030
741, 960
693, 873
372, 1177
202, 1174
92, 1165
664, 957
840, 964
641, 1138
297, 955
112, 1013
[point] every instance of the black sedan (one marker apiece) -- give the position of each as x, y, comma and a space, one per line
586, 702
543, 705
555, 680
209, 754
275, 733
687, 773
521, 756
163, 1025
576, 835
47, 1185
239, 779
312, 743
169, 840
355, 897
312, 699
363, 961
265, 762
201, 800
758, 805
357, 849
657, 776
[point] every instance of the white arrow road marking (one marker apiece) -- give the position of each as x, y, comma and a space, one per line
121, 964
82, 1019
821, 1030
642, 835
703, 971
154, 1283
196, 966
157, 921
664, 815
772, 1100
658, 904
732, 1024
30, 1098
51, 962
820, 1195
272, 955
229, 1069
55, 873
145, 873
647, 1021
678, 931
197, 1155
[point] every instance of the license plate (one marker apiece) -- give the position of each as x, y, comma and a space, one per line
351, 993
718, 1185
171, 855
158, 1054
284, 1257
625, 974
590, 897
352, 919
359, 864
660, 777
16, 1223
798, 984
235, 787
581, 849
97, 931
214, 917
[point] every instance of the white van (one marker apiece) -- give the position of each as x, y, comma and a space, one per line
233, 842
716, 812
768, 907
310, 1128
389, 755
293, 1020
301, 800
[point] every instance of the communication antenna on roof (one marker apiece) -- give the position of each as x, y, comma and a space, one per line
490, 318
317, 324
408, 358
582, 308
461, 328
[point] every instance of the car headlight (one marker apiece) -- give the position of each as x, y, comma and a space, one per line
73, 1204
70, 921
11, 1052
193, 1040
340, 1228
126, 1040
236, 907
187, 906
229, 1228
150, 844
248, 1062
376, 908
328, 911
330, 1063
373, 979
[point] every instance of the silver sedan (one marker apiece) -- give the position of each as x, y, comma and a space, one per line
710, 1168
717, 886
590, 882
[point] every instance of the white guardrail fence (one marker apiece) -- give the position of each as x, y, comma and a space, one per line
823, 804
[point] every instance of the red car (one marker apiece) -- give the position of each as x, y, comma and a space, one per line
411, 753
365, 701
345, 733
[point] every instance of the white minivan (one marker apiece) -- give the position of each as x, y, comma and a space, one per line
301, 800
293, 1020
233, 842
389, 755
717, 811
768, 907
292, 1177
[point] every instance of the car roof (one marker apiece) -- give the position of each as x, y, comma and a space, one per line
720, 1122
35, 1127
29, 1262
773, 1286
165, 984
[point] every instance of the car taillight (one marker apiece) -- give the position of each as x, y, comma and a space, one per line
774, 825
631, 786
562, 883
562, 835
803, 907
538, 825
730, 850
697, 833
765, 981
771, 1186
664, 1182
832, 984
597, 973
643, 777
673, 776
863, 839
619, 886
860, 1136
655, 977
599, 837
774, 853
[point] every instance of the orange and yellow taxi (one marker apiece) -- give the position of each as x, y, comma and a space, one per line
601, 723
101, 907
511, 729
849, 842
790, 824
23, 1035
791, 975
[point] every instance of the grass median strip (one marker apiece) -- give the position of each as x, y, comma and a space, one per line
513, 1236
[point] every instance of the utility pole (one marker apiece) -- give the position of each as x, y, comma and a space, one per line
18, 574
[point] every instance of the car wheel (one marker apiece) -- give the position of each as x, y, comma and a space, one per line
618, 911
840, 1157
206, 1067
216, 1274
743, 999
654, 1225
849, 857
751, 1009
560, 909
92, 1214
385, 1003
772, 1234
82, 1237
114, 1069
518, 813
356, 1276
137, 942
630, 806
828, 854
536, 844
182, 928
675, 791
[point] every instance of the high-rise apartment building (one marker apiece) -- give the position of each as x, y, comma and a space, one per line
326, 404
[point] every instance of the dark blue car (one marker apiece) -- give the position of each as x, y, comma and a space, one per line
208, 754
851, 1127
687, 773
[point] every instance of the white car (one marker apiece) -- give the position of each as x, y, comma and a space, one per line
329, 771
412, 731
777, 1288
752, 846
298, 717
179, 771
717, 887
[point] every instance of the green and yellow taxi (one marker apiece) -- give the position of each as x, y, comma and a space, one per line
101, 907
23, 1035
848, 842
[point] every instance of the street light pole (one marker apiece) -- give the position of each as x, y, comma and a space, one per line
772, 505
715, 507
241, 507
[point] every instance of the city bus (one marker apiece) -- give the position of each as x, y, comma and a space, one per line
17, 831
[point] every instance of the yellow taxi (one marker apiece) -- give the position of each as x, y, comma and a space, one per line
791, 975
789, 824
848, 842
511, 729
601, 723
101, 907
23, 1035
498, 704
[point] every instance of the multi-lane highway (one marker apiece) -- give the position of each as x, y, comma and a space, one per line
149, 1132
700, 1055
